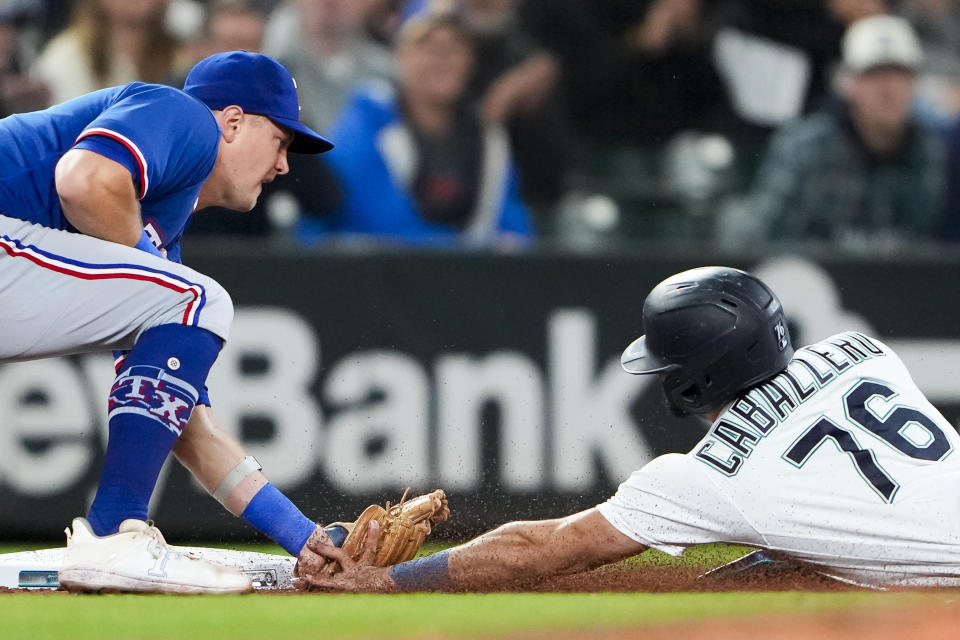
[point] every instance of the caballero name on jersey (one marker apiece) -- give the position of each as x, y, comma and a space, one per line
761, 409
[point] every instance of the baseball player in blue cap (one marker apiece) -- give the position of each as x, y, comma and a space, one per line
95, 194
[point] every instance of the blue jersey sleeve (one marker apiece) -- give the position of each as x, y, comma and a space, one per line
168, 141
116, 151
170, 137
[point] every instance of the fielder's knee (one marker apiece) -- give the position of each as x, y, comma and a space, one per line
217, 314
197, 301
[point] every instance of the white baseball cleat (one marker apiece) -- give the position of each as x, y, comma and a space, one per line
138, 559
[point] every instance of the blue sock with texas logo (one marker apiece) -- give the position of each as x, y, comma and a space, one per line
150, 402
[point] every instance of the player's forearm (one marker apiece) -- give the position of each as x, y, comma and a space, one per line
515, 554
209, 453
222, 467
98, 198
519, 553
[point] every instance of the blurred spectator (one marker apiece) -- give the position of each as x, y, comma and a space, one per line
938, 25
18, 91
514, 81
382, 20
232, 25
634, 71
227, 25
640, 85
325, 46
512, 74
417, 163
777, 56
110, 42
865, 174
648, 80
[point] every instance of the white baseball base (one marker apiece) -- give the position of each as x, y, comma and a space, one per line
38, 569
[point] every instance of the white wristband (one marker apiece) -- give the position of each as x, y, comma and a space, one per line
244, 468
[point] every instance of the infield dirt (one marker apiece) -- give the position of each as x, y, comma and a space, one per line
940, 622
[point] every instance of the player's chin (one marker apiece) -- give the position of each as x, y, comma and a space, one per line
257, 192
250, 201
243, 207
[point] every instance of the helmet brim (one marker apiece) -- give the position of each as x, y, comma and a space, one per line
636, 359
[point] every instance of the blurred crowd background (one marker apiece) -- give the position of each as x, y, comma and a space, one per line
583, 124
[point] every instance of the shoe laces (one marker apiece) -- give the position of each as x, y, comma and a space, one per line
159, 545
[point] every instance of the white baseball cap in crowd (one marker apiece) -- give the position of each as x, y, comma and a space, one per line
881, 40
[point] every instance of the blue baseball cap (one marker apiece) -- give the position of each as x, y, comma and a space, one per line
258, 84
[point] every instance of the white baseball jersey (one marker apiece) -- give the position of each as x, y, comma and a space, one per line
838, 461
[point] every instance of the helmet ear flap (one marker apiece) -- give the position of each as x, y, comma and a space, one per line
692, 393
670, 401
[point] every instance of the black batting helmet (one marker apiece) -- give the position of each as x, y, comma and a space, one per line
711, 332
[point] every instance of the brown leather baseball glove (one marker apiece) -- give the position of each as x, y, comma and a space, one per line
403, 527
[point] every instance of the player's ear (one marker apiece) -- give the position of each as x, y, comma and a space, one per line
231, 119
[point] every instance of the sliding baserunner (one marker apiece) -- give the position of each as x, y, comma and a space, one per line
828, 455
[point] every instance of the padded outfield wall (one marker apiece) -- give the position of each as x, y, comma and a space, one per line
351, 376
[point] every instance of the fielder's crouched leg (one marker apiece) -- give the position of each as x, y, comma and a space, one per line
157, 387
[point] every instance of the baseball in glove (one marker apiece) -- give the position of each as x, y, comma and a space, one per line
403, 527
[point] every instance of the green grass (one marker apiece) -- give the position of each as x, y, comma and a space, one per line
369, 616
292, 617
